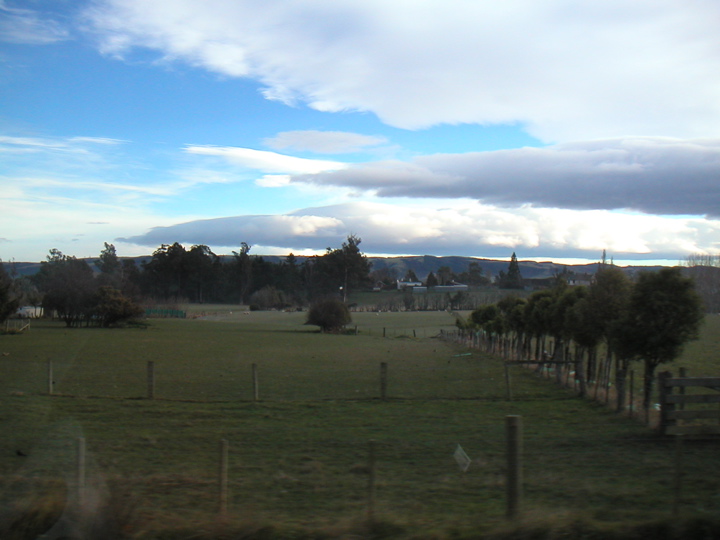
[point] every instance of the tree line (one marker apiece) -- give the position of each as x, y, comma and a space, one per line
648, 320
198, 275
112, 291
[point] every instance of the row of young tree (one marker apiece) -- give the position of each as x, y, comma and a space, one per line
648, 320
112, 291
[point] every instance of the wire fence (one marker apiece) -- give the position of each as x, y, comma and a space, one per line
374, 440
455, 375
416, 480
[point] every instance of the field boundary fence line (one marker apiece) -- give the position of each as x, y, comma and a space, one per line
83, 499
384, 380
502, 458
599, 388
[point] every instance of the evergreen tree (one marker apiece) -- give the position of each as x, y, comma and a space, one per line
513, 279
664, 313
445, 275
69, 288
339, 270
242, 271
108, 262
8, 304
410, 276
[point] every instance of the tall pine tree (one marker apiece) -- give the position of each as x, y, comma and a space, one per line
513, 279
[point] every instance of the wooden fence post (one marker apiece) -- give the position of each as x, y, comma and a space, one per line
383, 380
81, 472
632, 393
665, 407
223, 476
371, 482
256, 383
151, 379
508, 388
677, 481
681, 390
50, 377
513, 430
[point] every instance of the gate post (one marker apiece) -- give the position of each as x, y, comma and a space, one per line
514, 487
665, 390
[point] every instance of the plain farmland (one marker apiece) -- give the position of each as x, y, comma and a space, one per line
297, 457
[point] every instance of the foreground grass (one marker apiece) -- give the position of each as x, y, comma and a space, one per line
299, 458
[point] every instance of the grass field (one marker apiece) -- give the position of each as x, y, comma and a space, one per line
298, 458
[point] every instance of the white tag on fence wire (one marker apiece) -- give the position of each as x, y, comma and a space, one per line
462, 458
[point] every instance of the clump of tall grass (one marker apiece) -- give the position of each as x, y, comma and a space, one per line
46, 509
35, 507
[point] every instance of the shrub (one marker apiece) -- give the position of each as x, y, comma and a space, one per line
330, 314
113, 308
267, 298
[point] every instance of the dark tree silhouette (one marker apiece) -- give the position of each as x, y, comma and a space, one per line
8, 303
513, 279
664, 313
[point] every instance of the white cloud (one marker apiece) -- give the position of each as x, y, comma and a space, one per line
99, 188
97, 140
323, 142
35, 220
25, 144
565, 70
652, 175
28, 27
273, 180
270, 162
271, 230
460, 228
49, 200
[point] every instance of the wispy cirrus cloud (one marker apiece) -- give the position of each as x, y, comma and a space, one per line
29, 27
98, 140
24, 144
324, 142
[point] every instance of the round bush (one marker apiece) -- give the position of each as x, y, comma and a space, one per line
330, 314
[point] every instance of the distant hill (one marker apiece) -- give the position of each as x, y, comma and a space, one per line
424, 264
421, 265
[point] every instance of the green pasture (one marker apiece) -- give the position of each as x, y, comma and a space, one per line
210, 359
298, 457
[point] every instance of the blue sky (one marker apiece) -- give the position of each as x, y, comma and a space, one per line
545, 127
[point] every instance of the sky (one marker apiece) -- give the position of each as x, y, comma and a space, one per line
554, 129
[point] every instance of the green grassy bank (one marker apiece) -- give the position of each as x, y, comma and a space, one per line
298, 458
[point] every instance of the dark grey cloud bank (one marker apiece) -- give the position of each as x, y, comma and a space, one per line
648, 174
557, 201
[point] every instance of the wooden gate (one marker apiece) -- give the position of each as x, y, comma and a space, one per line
675, 418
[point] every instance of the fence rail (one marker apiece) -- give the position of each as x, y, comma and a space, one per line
16, 326
672, 405
156, 313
